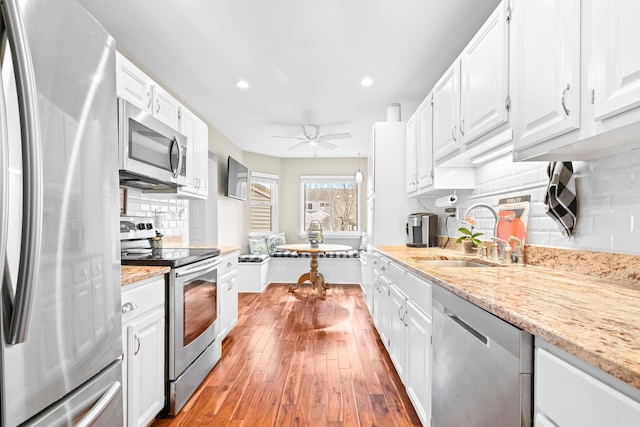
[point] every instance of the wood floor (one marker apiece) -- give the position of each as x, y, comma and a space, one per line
295, 360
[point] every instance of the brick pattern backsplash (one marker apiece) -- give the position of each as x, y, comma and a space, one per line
608, 202
174, 213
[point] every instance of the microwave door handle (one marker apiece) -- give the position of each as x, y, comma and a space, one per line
32, 176
181, 155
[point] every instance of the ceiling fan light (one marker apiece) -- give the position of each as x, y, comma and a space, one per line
358, 176
242, 84
366, 81
313, 143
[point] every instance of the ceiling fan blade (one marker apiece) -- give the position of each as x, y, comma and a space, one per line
336, 136
289, 137
326, 144
293, 147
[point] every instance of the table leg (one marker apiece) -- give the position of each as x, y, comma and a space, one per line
313, 276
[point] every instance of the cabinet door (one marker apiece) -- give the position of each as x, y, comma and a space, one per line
165, 107
145, 356
424, 144
484, 79
446, 110
188, 129
233, 299
201, 172
397, 346
411, 170
383, 314
547, 76
418, 364
132, 84
615, 59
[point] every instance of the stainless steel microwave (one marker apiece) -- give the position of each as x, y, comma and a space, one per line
152, 154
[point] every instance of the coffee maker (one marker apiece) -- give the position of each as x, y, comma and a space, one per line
422, 230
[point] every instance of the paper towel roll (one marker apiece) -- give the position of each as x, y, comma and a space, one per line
446, 201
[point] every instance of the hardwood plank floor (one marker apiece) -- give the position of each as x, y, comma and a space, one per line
297, 360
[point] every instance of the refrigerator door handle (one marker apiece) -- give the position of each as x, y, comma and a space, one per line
32, 174
102, 404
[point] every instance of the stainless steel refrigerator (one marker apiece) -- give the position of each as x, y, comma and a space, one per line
60, 322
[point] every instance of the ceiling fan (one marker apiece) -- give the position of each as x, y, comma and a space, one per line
312, 137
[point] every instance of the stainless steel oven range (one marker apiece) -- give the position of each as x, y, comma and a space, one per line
191, 311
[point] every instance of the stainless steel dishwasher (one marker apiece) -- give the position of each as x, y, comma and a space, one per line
482, 367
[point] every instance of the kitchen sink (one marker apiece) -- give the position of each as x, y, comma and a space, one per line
453, 263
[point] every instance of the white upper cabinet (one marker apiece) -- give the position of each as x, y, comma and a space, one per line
412, 162
446, 111
546, 49
136, 87
197, 134
484, 82
605, 100
424, 145
471, 100
616, 56
132, 84
165, 107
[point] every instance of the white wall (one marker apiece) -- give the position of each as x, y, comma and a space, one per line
608, 202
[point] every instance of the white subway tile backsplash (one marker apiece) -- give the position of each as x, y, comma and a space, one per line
608, 201
173, 222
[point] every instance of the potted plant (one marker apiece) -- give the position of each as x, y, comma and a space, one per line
469, 239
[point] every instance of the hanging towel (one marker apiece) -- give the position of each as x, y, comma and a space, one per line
561, 202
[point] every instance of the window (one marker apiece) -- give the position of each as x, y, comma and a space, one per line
264, 192
332, 200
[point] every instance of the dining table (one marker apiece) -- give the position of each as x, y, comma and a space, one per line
314, 276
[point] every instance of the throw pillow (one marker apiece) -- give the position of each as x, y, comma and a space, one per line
257, 246
274, 241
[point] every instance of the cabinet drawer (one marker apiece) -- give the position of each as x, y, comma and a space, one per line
227, 264
141, 297
382, 265
568, 396
419, 291
396, 274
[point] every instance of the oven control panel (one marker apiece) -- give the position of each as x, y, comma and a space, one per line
136, 227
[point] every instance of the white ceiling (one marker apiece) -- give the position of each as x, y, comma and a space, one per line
304, 60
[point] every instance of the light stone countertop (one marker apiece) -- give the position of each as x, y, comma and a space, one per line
134, 273
597, 320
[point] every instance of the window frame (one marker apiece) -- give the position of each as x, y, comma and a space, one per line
329, 179
273, 179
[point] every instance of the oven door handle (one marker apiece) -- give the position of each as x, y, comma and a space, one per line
201, 269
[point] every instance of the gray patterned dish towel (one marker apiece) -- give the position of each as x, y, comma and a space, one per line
561, 203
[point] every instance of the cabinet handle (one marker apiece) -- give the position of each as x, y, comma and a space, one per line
158, 108
130, 306
135, 353
462, 127
404, 318
149, 99
400, 314
563, 98
229, 264
453, 133
383, 268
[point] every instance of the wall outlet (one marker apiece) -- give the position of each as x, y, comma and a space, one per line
451, 211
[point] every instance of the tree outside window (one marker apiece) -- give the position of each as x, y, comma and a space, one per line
333, 201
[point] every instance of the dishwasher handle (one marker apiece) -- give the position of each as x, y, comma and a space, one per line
464, 325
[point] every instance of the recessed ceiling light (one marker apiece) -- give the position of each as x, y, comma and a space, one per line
242, 84
367, 81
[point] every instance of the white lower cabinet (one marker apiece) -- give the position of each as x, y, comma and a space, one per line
570, 392
228, 294
402, 316
143, 339
418, 360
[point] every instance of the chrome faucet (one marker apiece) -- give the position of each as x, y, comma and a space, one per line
519, 250
493, 211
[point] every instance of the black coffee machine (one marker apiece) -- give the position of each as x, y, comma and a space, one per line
422, 230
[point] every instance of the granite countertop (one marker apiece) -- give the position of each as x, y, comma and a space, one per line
134, 273
597, 320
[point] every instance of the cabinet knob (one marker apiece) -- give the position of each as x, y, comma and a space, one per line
229, 264
383, 268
